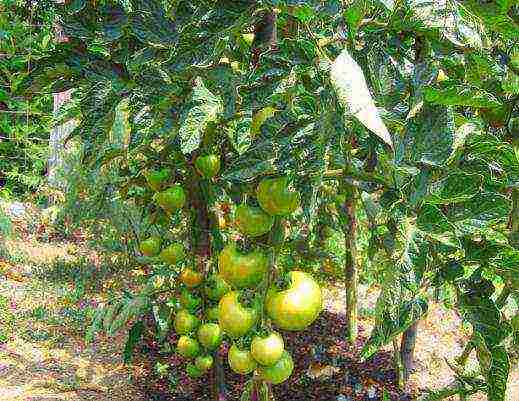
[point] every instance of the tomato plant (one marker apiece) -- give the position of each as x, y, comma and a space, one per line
277, 120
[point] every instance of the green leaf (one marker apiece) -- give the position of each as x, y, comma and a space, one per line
203, 108
461, 96
95, 326
480, 211
239, 133
456, 187
498, 374
134, 337
485, 317
494, 18
510, 83
351, 87
429, 138
150, 24
455, 22
259, 119
392, 321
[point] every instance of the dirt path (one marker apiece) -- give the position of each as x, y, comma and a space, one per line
43, 355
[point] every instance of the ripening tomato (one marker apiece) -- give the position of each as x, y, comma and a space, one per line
242, 270
278, 372
235, 319
210, 335
241, 361
204, 362
188, 347
185, 322
191, 278
275, 197
173, 254
298, 306
150, 247
252, 221
267, 350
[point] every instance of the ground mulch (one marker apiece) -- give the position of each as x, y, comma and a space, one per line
327, 368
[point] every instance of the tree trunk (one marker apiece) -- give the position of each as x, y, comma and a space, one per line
407, 350
350, 267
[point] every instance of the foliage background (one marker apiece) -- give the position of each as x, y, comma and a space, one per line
26, 35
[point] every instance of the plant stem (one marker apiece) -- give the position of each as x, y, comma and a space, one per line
407, 350
514, 219
349, 211
199, 198
351, 268
398, 364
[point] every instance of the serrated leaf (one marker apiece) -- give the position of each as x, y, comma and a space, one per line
510, 83
392, 322
351, 87
429, 137
456, 187
483, 314
461, 96
495, 19
498, 374
239, 133
150, 24
452, 19
202, 109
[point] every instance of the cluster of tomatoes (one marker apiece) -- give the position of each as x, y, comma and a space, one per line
240, 301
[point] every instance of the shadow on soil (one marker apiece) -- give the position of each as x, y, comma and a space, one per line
326, 368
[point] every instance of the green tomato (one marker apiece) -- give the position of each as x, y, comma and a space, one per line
514, 59
194, 371
151, 246
157, 178
208, 166
298, 306
171, 199
204, 363
248, 38
267, 350
212, 314
241, 361
275, 197
189, 301
242, 270
235, 319
216, 287
210, 335
173, 254
280, 371
185, 322
253, 221
188, 347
